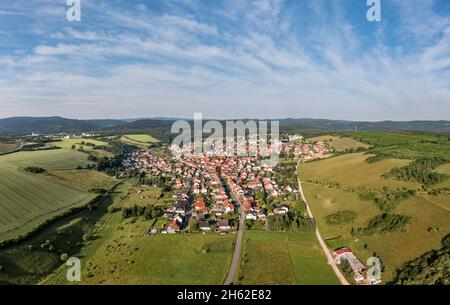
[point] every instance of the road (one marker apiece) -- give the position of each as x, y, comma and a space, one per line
234, 266
325, 249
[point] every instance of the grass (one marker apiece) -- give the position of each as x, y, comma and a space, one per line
340, 143
28, 199
352, 170
141, 140
83, 179
67, 143
148, 196
120, 253
24, 266
284, 258
430, 214
8, 147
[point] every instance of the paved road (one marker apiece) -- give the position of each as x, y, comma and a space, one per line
234, 267
325, 249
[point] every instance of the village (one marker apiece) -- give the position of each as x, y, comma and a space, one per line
209, 189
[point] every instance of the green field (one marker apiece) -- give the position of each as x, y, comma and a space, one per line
430, 214
141, 140
340, 143
352, 170
83, 179
29, 199
284, 258
120, 253
67, 143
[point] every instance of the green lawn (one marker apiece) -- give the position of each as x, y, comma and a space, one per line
28, 199
284, 258
141, 140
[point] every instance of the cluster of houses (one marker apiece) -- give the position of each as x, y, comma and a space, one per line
304, 151
360, 275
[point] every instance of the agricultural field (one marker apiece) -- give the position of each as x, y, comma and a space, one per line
120, 252
83, 179
141, 140
340, 143
29, 263
67, 143
295, 258
430, 215
351, 170
7, 147
29, 199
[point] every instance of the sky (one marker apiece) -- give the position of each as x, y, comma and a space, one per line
226, 59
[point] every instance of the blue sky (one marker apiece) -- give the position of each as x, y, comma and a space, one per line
226, 59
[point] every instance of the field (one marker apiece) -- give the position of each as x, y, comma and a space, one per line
120, 253
141, 140
67, 143
8, 147
83, 179
295, 258
28, 263
352, 170
340, 143
430, 214
29, 199
143, 196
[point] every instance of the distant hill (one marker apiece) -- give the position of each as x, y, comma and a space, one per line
26, 125
160, 127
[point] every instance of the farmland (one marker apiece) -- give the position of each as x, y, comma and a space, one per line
29, 199
7, 147
295, 258
141, 140
340, 143
83, 179
335, 184
78, 143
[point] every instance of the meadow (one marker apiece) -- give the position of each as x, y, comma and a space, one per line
67, 143
141, 140
120, 252
29, 199
83, 179
430, 215
340, 143
295, 258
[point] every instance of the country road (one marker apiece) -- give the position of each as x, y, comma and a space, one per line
234, 266
325, 249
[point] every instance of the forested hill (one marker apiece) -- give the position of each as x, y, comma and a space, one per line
160, 127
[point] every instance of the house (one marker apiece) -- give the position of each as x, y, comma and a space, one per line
224, 225
279, 211
204, 226
345, 254
173, 227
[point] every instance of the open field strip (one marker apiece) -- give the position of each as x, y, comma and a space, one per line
340, 143
430, 219
83, 179
295, 258
28, 199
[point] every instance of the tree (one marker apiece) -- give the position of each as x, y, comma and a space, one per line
64, 257
73, 146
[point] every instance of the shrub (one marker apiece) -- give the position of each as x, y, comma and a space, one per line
341, 217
